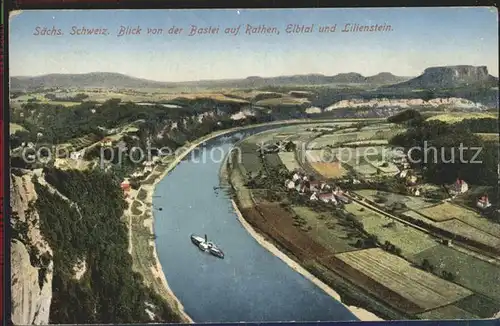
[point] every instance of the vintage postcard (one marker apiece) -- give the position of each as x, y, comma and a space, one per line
254, 165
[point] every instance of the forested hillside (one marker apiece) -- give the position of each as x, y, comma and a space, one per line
109, 291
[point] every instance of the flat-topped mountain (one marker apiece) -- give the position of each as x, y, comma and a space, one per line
451, 77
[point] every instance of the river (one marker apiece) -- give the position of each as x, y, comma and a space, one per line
250, 284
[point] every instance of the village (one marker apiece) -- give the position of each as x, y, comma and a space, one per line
377, 214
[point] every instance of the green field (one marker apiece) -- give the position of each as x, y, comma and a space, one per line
472, 273
348, 154
447, 312
14, 127
489, 136
479, 305
368, 142
391, 168
279, 101
289, 160
340, 138
327, 230
273, 160
457, 117
408, 239
415, 203
251, 163
423, 289
463, 229
447, 211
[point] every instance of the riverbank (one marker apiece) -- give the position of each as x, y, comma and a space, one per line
360, 313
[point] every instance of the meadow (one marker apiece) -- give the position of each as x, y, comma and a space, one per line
423, 289
408, 239
289, 160
326, 229
414, 203
473, 273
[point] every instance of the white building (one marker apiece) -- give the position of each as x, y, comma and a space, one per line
483, 202
412, 179
76, 155
289, 184
460, 186
328, 198
324, 186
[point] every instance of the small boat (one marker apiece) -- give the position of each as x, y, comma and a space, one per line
207, 246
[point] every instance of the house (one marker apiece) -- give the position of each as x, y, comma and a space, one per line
303, 188
403, 174
483, 202
296, 177
137, 174
314, 196
337, 191
300, 187
447, 242
108, 142
414, 191
148, 168
324, 186
411, 180
460, 186
148, 163
125, 185
31, 145
314, 185
327, 198
356, 181
305, 178
77, 155
289, 184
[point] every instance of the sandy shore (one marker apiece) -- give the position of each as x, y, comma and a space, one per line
360, 313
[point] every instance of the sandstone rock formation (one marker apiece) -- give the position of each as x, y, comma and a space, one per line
406, 103
31, 285
450, 77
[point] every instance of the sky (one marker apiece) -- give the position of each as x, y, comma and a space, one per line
419, 38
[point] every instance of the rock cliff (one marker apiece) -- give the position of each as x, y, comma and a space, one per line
451, 102
451, 77
31, 257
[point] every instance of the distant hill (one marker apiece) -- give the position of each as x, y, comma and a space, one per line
450, 77
94, 79
109, 80
385, 78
